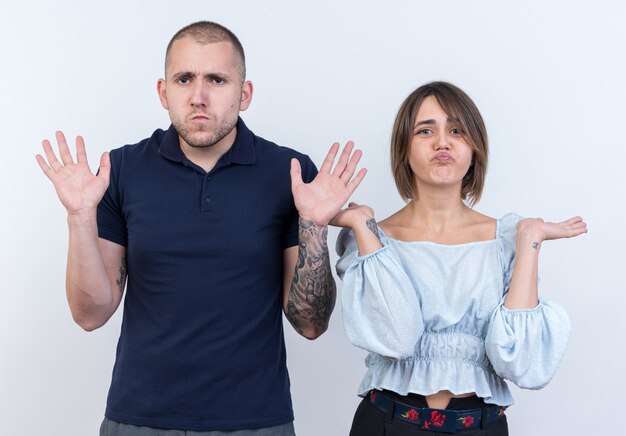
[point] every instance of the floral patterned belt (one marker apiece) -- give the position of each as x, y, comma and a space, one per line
440, 420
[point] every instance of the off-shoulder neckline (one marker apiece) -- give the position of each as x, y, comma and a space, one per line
463, 244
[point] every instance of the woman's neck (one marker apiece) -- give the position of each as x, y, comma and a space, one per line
437, 207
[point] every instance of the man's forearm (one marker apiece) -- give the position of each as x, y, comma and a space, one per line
313, 292
89, 291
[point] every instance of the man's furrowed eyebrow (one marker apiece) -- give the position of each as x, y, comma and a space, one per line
206, 76
183, 74
213, 76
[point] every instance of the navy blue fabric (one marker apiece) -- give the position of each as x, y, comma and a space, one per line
201, 345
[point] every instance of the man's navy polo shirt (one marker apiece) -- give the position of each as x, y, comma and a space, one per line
201, 345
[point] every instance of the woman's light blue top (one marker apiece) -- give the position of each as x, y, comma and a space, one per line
432, 317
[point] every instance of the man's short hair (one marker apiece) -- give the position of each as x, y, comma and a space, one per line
208, 32
458, 105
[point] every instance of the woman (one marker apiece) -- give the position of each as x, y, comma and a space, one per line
444, 298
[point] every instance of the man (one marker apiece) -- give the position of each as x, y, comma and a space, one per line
215, 236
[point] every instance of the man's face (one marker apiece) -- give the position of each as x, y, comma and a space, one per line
202, 91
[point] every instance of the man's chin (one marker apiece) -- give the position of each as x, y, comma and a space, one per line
201, 144
201, 140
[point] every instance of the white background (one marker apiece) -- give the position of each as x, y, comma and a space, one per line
547, 76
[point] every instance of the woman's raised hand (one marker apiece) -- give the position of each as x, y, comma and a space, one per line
541, 230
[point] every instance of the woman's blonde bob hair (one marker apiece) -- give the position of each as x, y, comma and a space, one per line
459, 106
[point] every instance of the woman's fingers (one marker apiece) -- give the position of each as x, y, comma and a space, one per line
572, 220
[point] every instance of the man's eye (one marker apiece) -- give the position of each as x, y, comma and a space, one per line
184, 80
218, 80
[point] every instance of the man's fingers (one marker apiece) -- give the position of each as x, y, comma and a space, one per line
354, 183
330, 159
349, 171
296, 173
50, 156
64, 150
81, 153
105, 167
343, 159
44, 166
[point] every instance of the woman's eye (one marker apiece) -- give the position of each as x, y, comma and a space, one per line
424, 132
456, 131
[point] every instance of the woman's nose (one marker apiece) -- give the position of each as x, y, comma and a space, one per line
441, 142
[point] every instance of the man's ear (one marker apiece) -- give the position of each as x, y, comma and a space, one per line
246, 95
162, 93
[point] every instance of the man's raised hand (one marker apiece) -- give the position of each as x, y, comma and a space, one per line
321, 199
77, 187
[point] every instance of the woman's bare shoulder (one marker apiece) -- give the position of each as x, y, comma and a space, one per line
393, 225
480, 226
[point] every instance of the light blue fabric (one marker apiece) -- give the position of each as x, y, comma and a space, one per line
432, 317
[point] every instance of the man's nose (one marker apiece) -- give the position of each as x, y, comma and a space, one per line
200, 95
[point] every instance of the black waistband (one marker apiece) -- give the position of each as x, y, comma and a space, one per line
440, 420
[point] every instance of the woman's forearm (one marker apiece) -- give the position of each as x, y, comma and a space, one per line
366, 233
523, 293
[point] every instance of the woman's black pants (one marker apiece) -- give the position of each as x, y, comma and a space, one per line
369, 420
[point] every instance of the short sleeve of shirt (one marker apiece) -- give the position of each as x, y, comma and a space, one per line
290, 236
111, 222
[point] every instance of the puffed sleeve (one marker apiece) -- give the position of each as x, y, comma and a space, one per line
381, 312
525, 346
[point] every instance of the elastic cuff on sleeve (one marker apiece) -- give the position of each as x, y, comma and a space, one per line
362, 258
537, 308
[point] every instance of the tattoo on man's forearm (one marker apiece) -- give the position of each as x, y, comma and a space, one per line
121, 281
312, 294
371, 224
535, 245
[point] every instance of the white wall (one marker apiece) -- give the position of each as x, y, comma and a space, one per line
547, 76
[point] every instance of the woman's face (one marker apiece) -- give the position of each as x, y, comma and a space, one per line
439, 156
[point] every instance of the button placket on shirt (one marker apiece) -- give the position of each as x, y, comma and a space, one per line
207, 194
